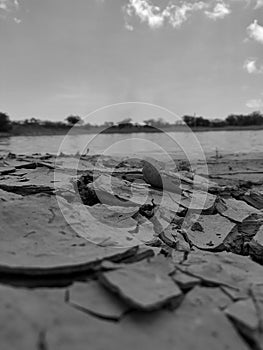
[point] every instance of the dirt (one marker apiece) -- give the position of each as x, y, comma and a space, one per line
97, 253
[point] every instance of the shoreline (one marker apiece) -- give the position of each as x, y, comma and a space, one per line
132, 130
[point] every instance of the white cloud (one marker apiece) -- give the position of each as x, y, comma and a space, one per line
3, 5
7, 7
175, 13
255, 103
129, 27
146, 12
255, 31
151, 14
17, 20
251, 67
221, 10
259, 4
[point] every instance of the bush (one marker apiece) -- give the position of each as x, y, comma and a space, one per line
5, 124
254, 118
74, 119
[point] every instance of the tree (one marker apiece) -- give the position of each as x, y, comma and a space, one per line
196, 121
5, 124
159, 123
189, 120
74, 119
34, 121
254, 118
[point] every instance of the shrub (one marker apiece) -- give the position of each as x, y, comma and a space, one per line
5, 124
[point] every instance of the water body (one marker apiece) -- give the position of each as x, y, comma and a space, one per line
177, 143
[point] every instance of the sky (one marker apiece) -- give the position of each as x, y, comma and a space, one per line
62, 57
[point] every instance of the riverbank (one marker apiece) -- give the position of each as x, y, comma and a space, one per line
45, 131
96, 250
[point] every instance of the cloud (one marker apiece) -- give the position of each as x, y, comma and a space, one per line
221, 10
146, 12
7, 7
255, 31
259, 4
255, 103
3, 6
17, 20
151, 14
251, 67
175, 14
129, 27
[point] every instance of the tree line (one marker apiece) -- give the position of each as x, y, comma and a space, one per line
6, 125
254, 118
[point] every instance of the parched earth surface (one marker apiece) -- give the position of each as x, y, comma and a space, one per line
106, 253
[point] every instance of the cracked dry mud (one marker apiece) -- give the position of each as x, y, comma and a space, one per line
140, 265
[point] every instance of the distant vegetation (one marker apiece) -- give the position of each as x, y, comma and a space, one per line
74, 119
34, 126
5, 124
254, 118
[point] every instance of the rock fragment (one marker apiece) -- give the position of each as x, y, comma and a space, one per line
255, 247
255, 250
41, 242
96, 299
235, 210
209, 231
244, 316
208, 298
39, 180
198, 201
143, 286
185, 281
231, 272
254, 198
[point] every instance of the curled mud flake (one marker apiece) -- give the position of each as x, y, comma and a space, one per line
255, 251
144, 286
254, 198
151, 175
